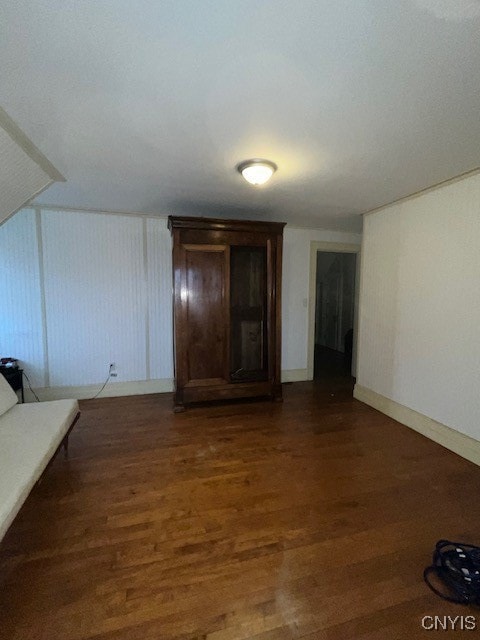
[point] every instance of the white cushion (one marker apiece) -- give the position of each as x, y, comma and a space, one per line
29, 436
8, 397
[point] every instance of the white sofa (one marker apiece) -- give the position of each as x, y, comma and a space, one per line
30, 435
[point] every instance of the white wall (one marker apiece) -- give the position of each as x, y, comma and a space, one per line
95, 293
86, 289
21, 325
159, 299
419, 336
83, 290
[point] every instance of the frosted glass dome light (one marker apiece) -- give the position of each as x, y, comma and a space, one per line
257, 172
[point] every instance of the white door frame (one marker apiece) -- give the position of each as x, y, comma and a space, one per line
330, 247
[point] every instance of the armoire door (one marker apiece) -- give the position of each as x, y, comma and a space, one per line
205, 314
248, 313
227, 278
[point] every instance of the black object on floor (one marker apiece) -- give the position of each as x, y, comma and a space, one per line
456, 566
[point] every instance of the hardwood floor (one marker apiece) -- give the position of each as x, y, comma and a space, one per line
309, 519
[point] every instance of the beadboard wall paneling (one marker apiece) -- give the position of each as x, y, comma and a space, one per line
21, 325
159, 296
420, 305
95, 296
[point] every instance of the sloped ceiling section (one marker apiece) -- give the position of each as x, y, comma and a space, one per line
24, 170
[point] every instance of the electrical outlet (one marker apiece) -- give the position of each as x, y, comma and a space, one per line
113, 370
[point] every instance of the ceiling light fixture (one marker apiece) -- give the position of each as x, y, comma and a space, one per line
257, 171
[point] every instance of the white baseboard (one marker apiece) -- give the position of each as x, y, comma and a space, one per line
112, 390
459, 443
132, 388
294, 375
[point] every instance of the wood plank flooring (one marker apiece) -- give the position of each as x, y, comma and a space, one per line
310, 519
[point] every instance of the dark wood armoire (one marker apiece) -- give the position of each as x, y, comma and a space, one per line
227, 279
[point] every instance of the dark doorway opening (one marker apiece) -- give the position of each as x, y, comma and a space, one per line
334, 314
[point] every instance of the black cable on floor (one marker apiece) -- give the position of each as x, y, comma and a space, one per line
94, 397
30, 387
104, 384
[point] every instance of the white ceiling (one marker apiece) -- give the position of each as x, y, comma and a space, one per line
148, 105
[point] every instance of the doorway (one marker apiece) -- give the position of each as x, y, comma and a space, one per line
334, 314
